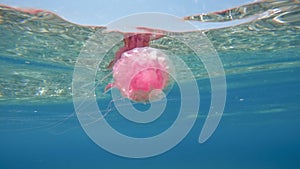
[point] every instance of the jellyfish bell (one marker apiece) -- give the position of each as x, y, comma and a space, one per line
132, 41
141, 74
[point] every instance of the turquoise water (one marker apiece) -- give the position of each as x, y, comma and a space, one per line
259, 128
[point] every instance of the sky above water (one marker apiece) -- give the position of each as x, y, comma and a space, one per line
101, 12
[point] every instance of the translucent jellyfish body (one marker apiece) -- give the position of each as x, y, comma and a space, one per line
141, 74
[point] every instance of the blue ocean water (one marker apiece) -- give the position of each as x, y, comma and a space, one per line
259, 127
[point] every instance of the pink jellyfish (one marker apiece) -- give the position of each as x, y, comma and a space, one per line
140, 72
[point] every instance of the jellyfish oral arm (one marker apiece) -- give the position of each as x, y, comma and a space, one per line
108, 87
